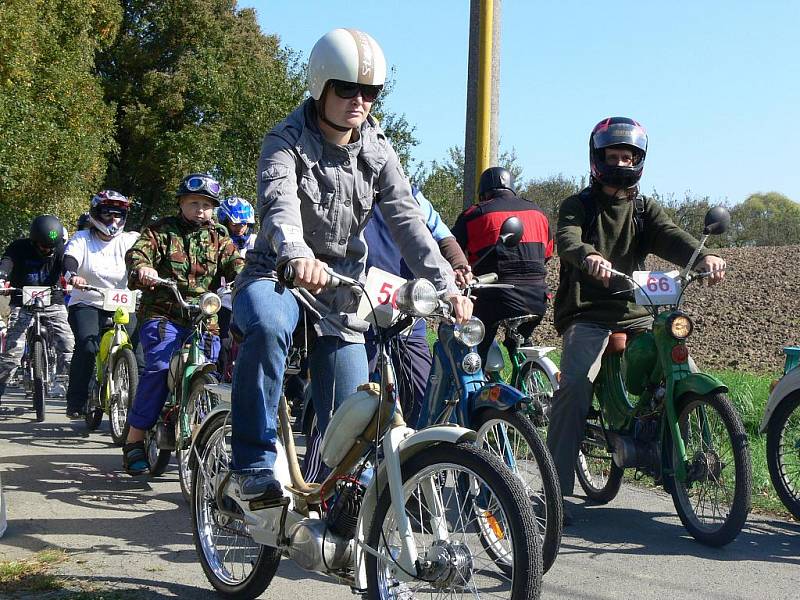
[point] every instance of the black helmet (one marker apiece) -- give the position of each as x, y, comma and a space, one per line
617, 131
201, 184
494, 178
83, 222
47, 230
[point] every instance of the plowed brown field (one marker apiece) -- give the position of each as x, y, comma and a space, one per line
743, 323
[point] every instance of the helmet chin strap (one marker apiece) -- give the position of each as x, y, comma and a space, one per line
321, 112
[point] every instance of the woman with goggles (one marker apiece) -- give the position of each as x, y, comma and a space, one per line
320, 171
95, 257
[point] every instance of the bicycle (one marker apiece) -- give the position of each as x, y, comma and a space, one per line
113, 385
38, 363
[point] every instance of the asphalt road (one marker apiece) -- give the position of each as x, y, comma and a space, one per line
65, 487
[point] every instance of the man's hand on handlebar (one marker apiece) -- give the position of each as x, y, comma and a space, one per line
463, 275
462, 308
309, 273
148, 277
713, 265
77, 281
598, 267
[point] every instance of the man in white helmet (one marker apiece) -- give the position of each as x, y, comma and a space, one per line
320, 172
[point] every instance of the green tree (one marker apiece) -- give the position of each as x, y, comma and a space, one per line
197, 85
550, 192
56, 128
769, 219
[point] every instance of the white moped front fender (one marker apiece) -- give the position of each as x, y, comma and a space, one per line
406, 443
787, 384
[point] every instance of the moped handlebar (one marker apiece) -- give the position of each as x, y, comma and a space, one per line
287, 274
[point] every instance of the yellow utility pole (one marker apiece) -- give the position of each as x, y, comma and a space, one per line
484, 117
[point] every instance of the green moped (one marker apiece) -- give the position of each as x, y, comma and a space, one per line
654, 412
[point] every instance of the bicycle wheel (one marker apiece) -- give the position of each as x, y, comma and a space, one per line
512, 438
714, 501
534, 382
125, 377
232, 561
452, 563
158, 458
598, 475
783, 452
198, 405
39, 368
93, 411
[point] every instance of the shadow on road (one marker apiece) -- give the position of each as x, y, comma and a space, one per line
608, 529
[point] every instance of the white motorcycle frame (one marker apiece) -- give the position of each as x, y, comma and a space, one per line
786, 385
533, 354
399, 445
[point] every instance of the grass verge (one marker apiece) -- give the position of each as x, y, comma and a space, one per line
32, 574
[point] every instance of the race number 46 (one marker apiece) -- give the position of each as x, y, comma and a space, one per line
114, 299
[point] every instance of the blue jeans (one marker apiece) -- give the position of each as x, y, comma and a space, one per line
266, 314
160, 339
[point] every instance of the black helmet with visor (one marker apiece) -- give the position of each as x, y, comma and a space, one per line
611, 133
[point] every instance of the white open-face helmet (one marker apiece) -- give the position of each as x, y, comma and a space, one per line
347, 55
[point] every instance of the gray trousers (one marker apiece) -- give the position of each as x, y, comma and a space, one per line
581, 352
55, 318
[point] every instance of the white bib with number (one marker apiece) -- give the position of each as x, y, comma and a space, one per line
31, 292
663, 287
119, 298
381, 289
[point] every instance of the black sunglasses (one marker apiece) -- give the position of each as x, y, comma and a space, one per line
348, 89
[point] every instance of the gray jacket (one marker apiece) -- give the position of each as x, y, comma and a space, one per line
315, 198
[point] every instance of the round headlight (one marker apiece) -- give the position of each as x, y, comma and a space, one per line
470, 333
680, 326
417, 297
210, 303
471, 363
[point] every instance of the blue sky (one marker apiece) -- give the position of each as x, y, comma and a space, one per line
716, 84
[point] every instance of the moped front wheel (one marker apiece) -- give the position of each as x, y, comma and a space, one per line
512, 438
125, 375
232, 561
783, 452
714, 500
447, 488
93, 411
599, 477
39, 376
198, 405
535, 383
157, 457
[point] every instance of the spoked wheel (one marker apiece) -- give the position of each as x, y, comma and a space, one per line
126, 379
447, 489
783, 452
198, 406
534, 383
512, 438
93, 412
233, 563
158, 458
39, 376
714, 501
597, 474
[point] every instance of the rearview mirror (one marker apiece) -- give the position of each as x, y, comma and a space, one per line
511, 232
717, 221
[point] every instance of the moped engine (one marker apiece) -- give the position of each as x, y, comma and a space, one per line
635, 453
313, 546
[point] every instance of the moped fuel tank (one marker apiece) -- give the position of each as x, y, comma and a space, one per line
639, 361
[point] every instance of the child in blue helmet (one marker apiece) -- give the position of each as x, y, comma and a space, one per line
238, 217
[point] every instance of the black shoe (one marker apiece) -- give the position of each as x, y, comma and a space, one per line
134, 459
74, 414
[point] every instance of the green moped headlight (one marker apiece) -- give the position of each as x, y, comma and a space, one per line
210, 303
680, 326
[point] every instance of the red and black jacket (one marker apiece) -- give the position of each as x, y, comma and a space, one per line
478, 228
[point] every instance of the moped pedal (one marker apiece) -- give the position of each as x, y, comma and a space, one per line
274, 502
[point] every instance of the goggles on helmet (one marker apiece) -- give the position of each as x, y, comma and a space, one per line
348, 89
202, 182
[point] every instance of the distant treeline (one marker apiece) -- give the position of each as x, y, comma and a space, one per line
133, 94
